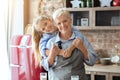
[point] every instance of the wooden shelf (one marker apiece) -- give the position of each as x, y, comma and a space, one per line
99, 18
97, 28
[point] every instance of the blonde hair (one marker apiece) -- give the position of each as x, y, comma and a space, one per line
61, 11
36, 36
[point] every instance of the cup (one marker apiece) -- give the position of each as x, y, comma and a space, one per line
43, 76
74, 77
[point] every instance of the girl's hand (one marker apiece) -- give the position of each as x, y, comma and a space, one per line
78, 43
67, 53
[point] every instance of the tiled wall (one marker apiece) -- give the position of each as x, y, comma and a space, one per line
100, 39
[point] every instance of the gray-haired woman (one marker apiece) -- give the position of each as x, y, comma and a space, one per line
62, 68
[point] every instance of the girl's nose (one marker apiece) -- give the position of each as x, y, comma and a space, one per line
62, 24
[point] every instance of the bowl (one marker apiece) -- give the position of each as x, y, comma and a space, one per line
105, 61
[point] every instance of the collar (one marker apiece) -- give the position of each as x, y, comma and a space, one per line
59, 39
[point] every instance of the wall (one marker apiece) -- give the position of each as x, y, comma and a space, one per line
38, 7
26, 13
105, 40
33, 10
99, 39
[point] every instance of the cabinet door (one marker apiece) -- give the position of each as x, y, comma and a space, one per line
107, 18
100, 77
81, 17
101, 18
114, 76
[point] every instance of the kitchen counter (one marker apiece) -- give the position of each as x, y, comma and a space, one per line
106, 70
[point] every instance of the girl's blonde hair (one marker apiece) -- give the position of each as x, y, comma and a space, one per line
36, 36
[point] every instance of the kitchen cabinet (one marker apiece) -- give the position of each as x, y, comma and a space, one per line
101, 18
103, 72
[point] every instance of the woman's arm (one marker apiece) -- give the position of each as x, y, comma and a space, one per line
49, 59
91, 55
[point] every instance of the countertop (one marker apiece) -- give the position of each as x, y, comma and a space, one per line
103, 68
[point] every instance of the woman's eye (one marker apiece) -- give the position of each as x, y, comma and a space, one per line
65, 21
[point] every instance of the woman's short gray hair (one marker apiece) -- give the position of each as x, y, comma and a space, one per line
61, 11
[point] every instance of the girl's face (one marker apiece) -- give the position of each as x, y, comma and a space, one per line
46, 26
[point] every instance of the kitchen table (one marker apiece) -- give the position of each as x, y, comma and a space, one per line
109, 71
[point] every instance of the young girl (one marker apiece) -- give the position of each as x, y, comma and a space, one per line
42, 26
43, 30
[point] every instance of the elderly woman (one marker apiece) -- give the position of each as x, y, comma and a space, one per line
62, 67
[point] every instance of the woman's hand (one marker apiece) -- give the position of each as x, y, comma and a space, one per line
78, 43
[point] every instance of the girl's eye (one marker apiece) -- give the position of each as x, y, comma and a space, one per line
58, 23
43, 29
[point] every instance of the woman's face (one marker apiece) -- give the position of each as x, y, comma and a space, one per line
63, 23
46, 26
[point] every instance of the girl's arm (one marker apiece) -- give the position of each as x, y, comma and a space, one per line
67, 53
78, 43
52, 54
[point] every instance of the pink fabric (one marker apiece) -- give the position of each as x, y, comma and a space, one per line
22, 55
14, 56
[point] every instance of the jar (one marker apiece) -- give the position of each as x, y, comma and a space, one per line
97, 3
68, 3
111, 3
89, 3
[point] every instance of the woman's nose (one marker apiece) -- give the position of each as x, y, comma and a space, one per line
48, 27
